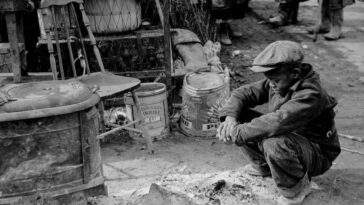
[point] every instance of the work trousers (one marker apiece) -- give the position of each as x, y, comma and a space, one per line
289, 11
288, 157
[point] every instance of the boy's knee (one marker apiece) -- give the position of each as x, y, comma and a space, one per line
279, 147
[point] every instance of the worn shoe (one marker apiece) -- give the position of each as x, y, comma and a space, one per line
278, 21
225, 40
236, 34
261, 172
336, 16
231, 32
332, 36
318, 29
324, 21
298, 198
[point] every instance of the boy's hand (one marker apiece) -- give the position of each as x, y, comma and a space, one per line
4, 98
225, 128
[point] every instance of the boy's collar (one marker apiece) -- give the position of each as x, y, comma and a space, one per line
306, 72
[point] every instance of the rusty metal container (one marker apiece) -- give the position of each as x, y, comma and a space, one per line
154, 106
48, 142
204, 94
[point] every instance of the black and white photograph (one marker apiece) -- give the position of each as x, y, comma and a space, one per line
181, 102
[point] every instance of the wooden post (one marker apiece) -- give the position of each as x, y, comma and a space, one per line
92, 38
47, 27
85, 147
70, 51
167, 51
160, 11
58, 46
80, 36
13, 32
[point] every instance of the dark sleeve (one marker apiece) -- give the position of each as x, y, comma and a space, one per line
298, 111
245, 97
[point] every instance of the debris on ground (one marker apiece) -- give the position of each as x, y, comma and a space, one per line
104, 200
222, 188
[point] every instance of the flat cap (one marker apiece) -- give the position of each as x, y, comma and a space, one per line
278, 53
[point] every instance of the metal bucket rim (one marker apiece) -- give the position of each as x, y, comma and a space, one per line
200, 90
46, 112
160, 90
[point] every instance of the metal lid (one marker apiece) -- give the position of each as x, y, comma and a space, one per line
47, 98
204, 80
148, 89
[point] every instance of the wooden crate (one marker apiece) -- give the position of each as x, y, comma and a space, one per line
141, 53
5, 57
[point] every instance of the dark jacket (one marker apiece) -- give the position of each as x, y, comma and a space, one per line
306, 110
337, 4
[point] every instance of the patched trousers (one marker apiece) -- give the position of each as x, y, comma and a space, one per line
288, 157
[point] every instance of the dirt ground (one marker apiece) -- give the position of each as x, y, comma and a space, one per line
191, 165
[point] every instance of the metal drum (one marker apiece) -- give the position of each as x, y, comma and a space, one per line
204, 94
48, 140
154, 106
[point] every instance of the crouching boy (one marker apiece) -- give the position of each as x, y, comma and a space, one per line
297, 139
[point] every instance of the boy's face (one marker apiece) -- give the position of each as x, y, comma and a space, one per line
280, 82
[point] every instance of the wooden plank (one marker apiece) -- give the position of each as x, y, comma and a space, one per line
160, 12
101, 136
20, 27
127, 128
58, 47
85, 147
5, 48
82, 40
69, 46
47, 20
143, 34
152, 73
101, 108
167, 51
139, 44
58, 191
12, 5
11, 23
44, 41
40, 74
142, 74
92, 39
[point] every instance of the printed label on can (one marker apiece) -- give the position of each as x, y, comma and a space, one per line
186, 123
152, 119
210, 126
152, 113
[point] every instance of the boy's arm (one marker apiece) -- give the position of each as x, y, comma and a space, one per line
244, 97
304, 106
4, 98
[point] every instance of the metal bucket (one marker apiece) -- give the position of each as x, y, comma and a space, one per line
203, 95
48, 142
154, 107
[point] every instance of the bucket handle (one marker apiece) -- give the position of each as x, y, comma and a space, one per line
222, 69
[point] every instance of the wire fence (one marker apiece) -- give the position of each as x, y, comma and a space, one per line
129, 34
